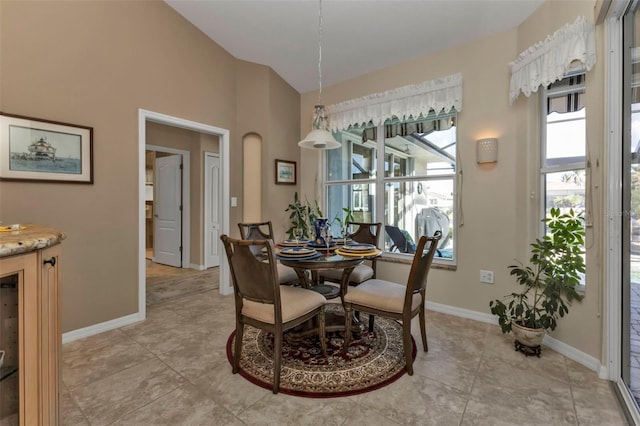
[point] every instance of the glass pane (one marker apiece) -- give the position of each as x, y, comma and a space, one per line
565, 190
417, 208
359, 198
429, 153
354, 160
566, 138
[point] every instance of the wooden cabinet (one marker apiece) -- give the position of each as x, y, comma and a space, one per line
32, 279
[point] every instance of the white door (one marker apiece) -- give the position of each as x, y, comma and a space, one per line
211, 210
167, 230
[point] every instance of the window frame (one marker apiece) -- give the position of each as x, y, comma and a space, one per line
379, 180
576, 165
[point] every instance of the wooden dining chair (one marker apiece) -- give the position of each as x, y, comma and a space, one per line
389, 299
264, 231
263, 303
366, 233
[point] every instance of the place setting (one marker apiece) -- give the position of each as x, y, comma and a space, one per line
358, 250
297, 253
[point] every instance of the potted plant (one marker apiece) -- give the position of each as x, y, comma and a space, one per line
343, 221
556, 267
302, 216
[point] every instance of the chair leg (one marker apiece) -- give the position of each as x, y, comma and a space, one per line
322, 332
238, 347
423, 330
406, 346
371, 321
347, 327
277, 359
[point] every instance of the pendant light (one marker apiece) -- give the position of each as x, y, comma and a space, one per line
320, 136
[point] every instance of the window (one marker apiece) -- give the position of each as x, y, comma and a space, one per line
564, 145
412, 164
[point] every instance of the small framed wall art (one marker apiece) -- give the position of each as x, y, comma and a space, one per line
34, 149
285, 172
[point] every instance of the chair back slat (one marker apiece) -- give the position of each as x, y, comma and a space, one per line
366, 233
256, 231
421, 265
253, 278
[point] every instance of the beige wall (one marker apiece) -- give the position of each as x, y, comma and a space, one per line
103, 62
500, 218
261, 90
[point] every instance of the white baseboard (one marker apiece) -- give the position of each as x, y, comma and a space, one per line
558, 346
80, 333
197, 267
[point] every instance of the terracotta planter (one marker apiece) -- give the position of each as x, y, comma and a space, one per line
531, 337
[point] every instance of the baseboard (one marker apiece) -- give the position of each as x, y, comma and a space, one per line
558, 346
80, 333
197, 267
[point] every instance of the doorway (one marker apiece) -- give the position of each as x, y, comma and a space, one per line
145, 116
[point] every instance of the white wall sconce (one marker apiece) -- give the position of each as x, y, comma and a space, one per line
487, 150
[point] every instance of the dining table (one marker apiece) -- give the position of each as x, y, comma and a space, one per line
331, 258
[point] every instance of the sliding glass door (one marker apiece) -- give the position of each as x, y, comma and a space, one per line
630, 250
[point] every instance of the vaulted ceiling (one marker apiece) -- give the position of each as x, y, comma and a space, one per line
358, 36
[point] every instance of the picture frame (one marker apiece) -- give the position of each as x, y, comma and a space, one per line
286, 172
39, 150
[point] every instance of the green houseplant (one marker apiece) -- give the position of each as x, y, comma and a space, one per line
556, 265
302, 215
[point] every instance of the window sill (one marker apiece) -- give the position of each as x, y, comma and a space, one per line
407, 260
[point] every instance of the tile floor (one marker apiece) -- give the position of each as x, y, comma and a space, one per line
172, 369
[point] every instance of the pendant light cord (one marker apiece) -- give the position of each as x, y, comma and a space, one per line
320, 53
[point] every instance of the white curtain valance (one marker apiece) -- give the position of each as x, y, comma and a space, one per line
548, 61
412, 100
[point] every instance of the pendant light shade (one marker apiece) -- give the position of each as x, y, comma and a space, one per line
319, 137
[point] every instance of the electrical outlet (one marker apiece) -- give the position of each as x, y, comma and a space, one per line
486, 276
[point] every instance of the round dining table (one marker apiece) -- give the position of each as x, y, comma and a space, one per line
329, 260
323, 262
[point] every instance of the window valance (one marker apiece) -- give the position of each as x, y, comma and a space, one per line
548, 61
412, 100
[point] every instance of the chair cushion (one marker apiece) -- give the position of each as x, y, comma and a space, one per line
359, 274
286, 274
295, 302
380, 294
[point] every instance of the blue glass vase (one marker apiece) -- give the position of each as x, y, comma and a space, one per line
320, 224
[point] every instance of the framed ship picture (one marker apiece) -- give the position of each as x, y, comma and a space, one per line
33, 149
285, 172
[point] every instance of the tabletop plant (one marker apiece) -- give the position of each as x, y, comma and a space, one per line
343, 218
556, 267
302, 216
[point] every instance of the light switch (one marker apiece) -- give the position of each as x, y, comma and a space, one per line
234, 201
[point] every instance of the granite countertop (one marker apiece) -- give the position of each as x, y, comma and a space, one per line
29, 238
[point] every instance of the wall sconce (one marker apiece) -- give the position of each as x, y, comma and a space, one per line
487, 150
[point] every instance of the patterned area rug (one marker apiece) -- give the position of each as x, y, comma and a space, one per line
374, 360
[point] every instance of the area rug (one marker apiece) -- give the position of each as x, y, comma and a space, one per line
374, 360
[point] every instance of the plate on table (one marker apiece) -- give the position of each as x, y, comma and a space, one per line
304, 257
358, 248
296, 252
292, 243
369, 253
